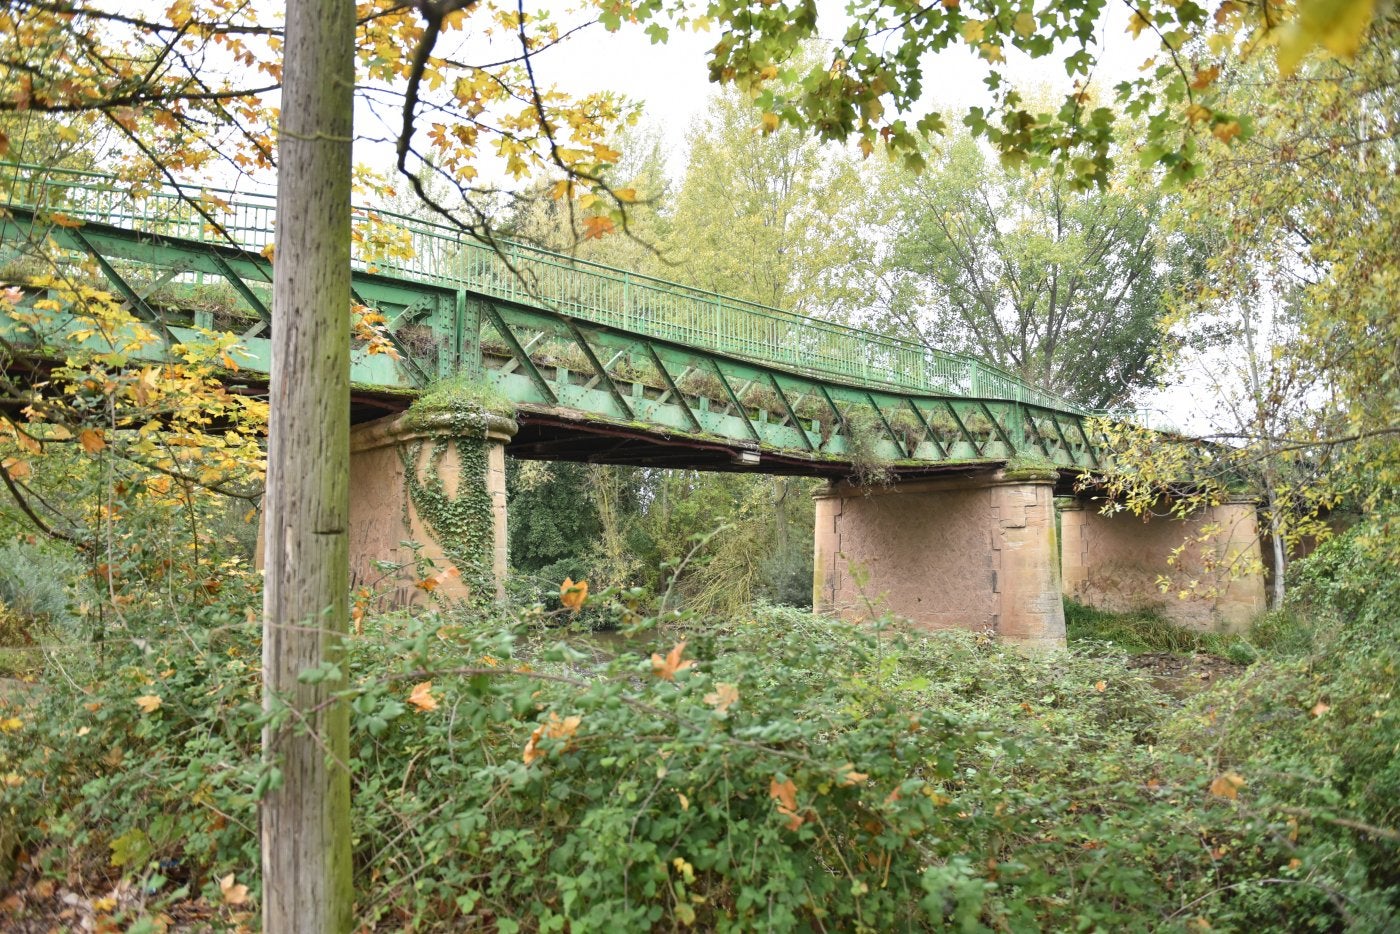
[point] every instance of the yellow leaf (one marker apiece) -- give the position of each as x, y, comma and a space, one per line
1100, 686
561, 190
572, 595
63, 220
1024, 24
722, 697
667, 668
1320, 708
1227, 785
768, 71
769, 122
149, 703
625, 195
973, 30
422, 696
91, 439
235, 893
1336, 25
16, 468
11, 724
1138, 23
685, 802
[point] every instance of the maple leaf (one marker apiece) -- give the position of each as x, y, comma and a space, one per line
91, 439
572, 594
722, 697
1226, 130
785, 793
235, 893
596, 226
553, 728
422, 696
149, 703
667, 668
1320, 708
770, 122
1227, 785
1100, 686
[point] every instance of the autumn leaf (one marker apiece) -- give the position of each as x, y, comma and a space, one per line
849, 775
625, 195
1226, 130
91, 439
64, 220
1320, 708
1205, 77
1227, 785
785, 794
1100, 686
667, 668
11, 724
149, 703
235, 893
1336, 25
553, 728
16, 469
722, 697
422, 696
597, 226
572, 594
770, 122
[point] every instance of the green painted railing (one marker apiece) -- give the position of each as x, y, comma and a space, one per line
406, 246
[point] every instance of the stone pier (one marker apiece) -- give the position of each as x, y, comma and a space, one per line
435, 478
1115, 563
974, 552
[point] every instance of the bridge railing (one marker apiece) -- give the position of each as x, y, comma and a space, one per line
388, 242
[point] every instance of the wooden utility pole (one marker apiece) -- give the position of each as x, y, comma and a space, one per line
307, 886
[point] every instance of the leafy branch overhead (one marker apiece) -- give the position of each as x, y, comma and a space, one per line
872, 85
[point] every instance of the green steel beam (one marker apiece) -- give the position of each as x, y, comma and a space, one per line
621, 387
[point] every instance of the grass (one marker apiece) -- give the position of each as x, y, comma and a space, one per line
1148, 631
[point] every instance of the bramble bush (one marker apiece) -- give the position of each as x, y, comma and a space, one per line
774, 771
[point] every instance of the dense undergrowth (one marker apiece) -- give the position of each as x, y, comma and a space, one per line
777, 771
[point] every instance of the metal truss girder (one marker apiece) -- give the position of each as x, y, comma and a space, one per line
598, 368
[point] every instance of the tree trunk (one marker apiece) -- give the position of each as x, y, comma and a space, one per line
306, 821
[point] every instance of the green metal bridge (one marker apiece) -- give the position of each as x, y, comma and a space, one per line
603, 364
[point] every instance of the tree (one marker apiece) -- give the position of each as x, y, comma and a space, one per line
1294, 314
762, 216
1064, 288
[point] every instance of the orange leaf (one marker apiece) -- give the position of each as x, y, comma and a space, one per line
1226, 131
234, 893
553, 728
1100, 686
573, 594
770, 122
849, 775
1320, 708
596, 226
785, 793
16, 468
1227, 785
63, 220
722, 697
91, 439
422, 696
667, 668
